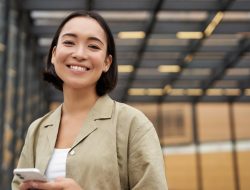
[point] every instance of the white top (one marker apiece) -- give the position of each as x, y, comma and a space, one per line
57, 164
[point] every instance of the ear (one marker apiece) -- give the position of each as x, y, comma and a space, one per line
108, 62
53, 55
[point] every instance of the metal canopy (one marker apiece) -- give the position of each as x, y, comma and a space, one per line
161, 65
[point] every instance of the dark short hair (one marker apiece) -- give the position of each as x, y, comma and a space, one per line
108, 80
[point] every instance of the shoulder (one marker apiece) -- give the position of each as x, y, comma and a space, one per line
134, 126
130, 113
45, 120
35, 125
132, 121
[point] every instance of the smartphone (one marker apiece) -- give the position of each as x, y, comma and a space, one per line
26, 174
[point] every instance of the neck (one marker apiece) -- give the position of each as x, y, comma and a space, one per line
78, 101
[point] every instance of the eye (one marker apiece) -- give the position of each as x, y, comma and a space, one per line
68, 43
93, 46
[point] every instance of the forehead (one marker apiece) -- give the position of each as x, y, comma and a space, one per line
84, 26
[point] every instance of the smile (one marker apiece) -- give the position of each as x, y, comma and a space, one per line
78, 68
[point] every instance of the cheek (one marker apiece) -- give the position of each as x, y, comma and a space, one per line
98, 61
61, 56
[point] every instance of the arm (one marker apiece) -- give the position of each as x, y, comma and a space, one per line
146, 165
25, 160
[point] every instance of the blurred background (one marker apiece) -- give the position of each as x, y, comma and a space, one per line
184, 63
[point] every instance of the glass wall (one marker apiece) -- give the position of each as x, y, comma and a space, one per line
2, 76
202, 147
21, 97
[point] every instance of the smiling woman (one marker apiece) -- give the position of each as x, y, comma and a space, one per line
91, 141
80, 55
81, 41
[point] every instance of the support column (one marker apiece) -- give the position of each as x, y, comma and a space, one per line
234, 151
4, 8
197, 148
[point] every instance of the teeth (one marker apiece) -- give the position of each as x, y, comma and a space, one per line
78, 68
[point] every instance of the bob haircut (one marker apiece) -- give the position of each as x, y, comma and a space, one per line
108, 80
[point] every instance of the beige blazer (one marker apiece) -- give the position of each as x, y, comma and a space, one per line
117, 148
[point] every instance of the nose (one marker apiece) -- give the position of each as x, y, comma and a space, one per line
79, 53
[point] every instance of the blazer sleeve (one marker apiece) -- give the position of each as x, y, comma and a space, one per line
26, 159
145, 160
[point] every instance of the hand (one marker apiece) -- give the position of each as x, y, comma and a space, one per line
58, 184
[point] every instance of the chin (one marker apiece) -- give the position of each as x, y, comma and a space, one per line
78, 86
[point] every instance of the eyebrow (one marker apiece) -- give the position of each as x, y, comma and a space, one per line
89, 38
69, 34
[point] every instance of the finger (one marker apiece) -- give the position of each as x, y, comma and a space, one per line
26, 185
47, 185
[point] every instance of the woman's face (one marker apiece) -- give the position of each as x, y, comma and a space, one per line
80, 56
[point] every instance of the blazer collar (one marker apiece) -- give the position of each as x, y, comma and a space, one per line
102, 109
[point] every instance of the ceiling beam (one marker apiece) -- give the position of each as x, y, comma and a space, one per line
243, 84
89, 4
160, 28
142, 47
229, 61
170, 5
43, 31
84, 5
54, 5
194, 46
204, 5
186, 5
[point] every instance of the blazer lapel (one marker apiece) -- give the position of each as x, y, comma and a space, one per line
86, 130
102, 110
52, 127
48, 137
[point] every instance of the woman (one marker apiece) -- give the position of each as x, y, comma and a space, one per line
90, 142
